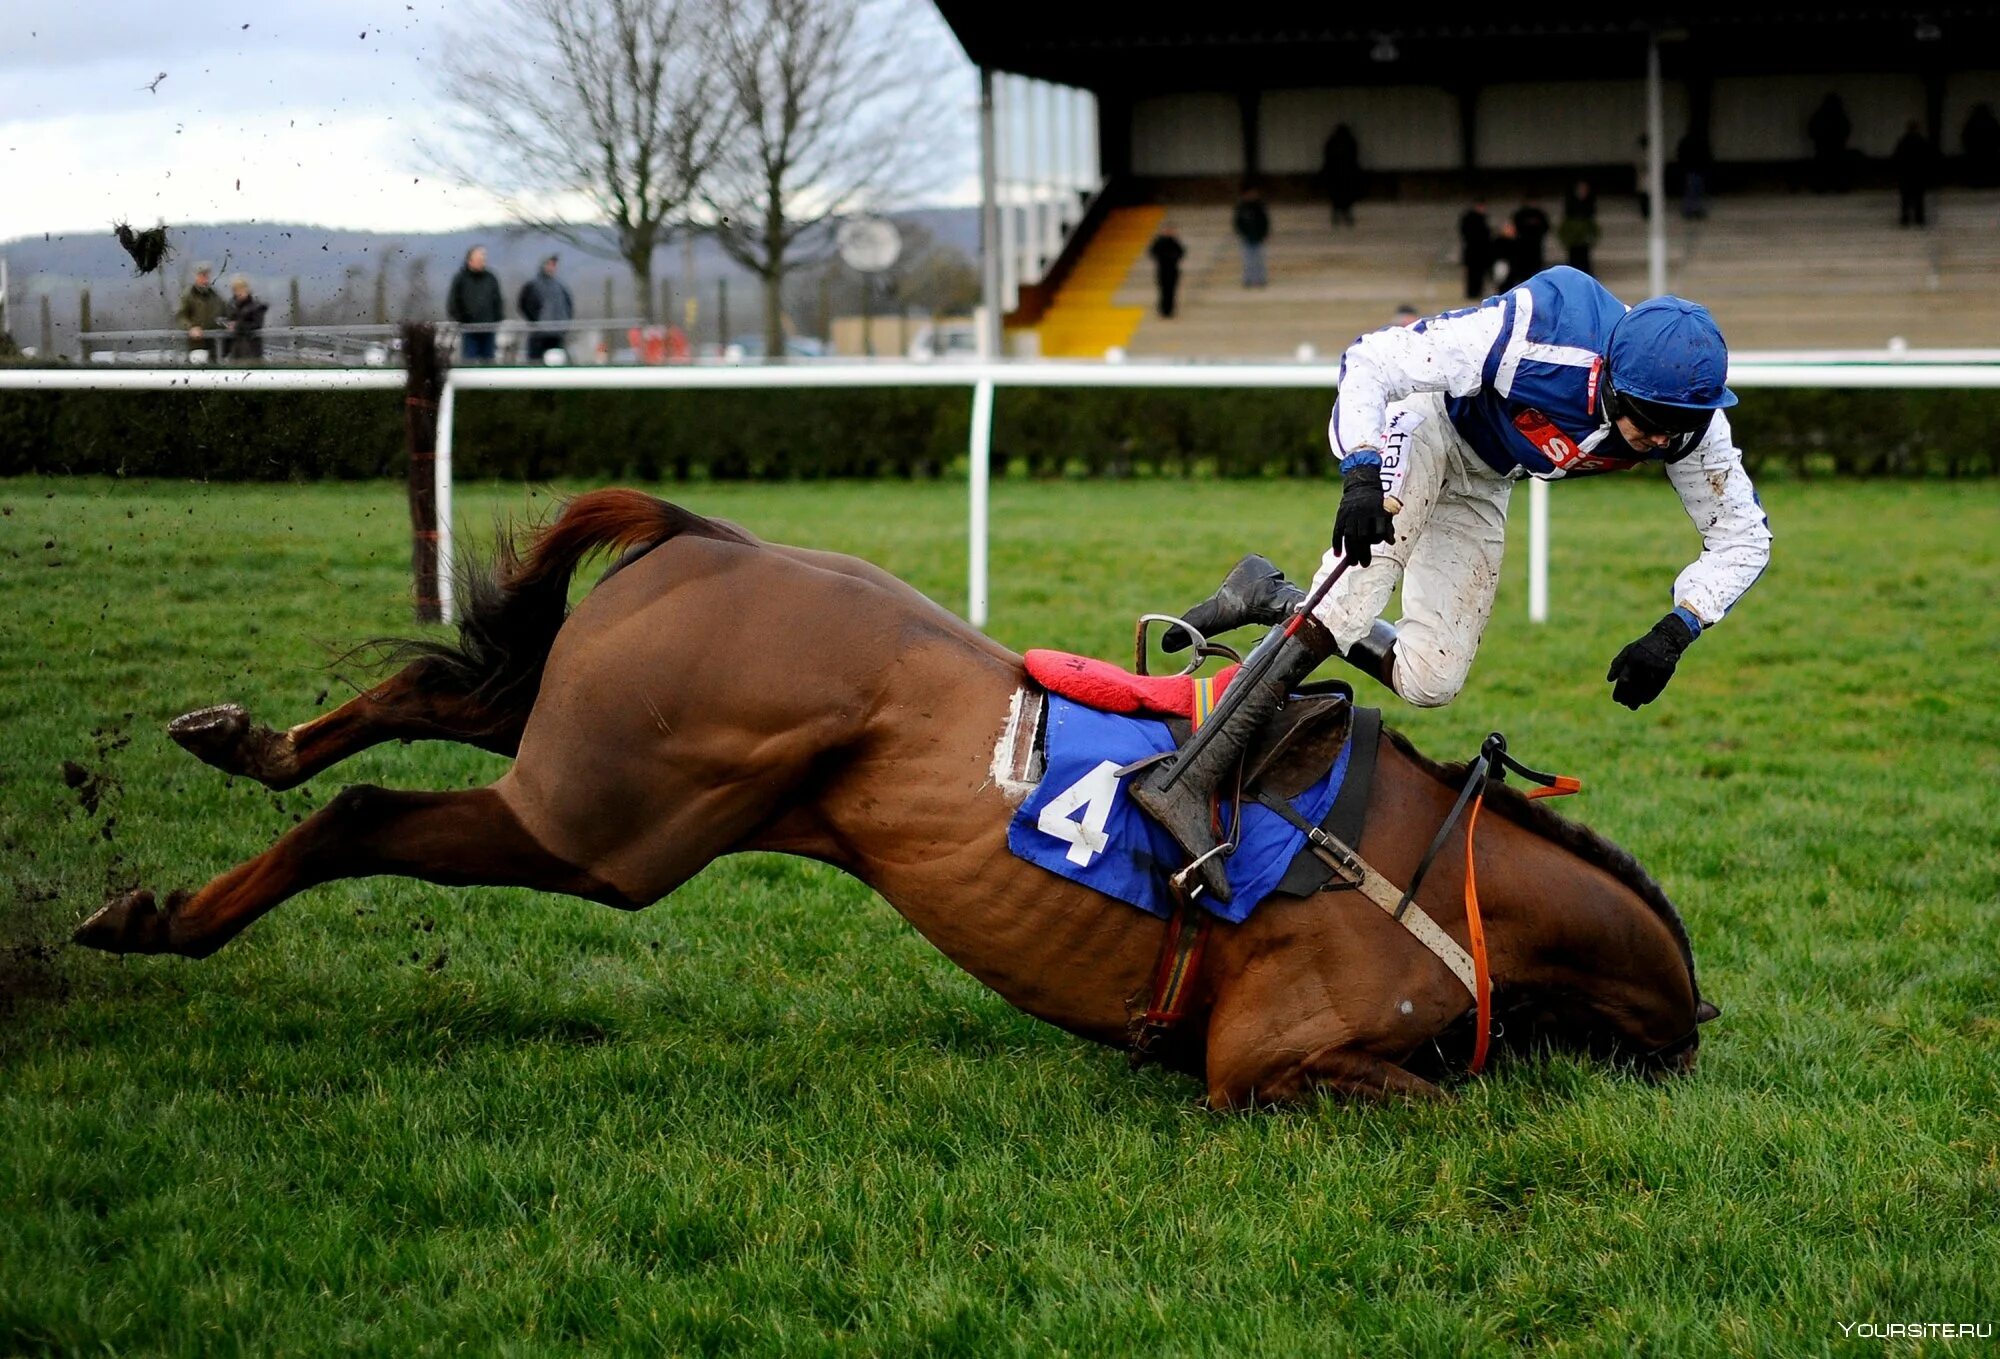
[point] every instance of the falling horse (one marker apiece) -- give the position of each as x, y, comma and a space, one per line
715, 693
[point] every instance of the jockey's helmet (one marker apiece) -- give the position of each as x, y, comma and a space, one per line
1667, 365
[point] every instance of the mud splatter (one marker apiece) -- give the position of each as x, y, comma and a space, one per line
89, 787
148, 249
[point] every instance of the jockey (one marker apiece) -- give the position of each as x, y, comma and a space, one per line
1434, 424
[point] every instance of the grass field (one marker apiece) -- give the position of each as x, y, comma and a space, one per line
764, 1117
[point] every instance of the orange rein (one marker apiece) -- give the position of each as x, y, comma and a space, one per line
1475, 928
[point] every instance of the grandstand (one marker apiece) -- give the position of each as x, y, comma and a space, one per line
1457, 106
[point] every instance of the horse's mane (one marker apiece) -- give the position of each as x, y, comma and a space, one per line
1573, 836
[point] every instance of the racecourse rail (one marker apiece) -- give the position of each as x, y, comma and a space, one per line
1909, 368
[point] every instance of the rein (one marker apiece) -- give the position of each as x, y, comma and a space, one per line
1493, 762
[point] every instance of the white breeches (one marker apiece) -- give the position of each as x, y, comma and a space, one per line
1450, 536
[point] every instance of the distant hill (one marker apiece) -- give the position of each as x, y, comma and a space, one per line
336, 270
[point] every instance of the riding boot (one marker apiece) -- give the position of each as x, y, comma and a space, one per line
1254, 591
1375, 654
1179, 793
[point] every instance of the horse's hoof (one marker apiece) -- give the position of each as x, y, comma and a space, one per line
212, 735
130, 923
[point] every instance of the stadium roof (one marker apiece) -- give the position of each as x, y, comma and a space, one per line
1124, 46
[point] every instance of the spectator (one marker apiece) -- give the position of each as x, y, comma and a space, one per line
1531, 231
202, 310
544, 300
1475, 246
246, 321
474, 300
1253, 227
1912, 158
1507, 258
1340, 173
1697, 164
1167, 252
1579, 230
1642, 177
1829, 130
1407, 315
1981, 137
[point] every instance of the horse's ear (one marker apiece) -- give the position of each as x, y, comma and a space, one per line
1703, 1012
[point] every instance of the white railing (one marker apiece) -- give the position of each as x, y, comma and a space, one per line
1878, 369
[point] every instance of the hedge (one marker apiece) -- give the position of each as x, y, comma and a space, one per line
810, 434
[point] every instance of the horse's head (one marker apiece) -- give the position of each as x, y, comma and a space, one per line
1580, 1022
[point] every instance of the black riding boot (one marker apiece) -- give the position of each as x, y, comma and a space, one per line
1375, 654
1254, 591
1179, 793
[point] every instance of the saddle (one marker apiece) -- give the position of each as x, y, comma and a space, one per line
1293, 752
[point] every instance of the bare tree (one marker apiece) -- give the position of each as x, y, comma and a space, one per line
584, 114
830, 99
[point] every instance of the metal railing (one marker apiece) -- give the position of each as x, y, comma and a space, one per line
587, 341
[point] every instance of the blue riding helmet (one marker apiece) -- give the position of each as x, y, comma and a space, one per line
1668, 364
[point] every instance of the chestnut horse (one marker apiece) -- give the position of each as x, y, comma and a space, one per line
715, 693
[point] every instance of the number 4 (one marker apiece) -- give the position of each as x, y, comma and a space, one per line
1093, 794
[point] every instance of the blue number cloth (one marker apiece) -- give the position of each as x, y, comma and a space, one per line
1081, 822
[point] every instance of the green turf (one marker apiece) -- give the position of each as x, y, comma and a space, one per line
765, 1117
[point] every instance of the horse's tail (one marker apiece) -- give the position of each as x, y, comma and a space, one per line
511, 610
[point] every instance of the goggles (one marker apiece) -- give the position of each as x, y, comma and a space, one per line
1656, 417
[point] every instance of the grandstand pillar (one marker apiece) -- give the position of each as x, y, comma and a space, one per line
1656, 173
1056, 175
1468, 129
989, 223
1114, 135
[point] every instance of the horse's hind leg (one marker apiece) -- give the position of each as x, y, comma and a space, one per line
414, 704
460, 839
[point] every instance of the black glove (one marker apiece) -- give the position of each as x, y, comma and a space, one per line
1642, 669
1362, 520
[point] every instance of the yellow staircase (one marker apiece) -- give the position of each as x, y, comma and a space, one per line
1082, 322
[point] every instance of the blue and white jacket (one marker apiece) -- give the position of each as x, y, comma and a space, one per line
1523, 375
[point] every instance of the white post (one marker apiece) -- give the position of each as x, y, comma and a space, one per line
1538, 550
447, 610
982, 470
1656, 173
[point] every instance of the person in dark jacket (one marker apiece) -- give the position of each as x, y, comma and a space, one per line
474, 300
1829, 128
546, 301
246, 321
1475, 250
201, 310
1697, 163
1340, 173
1913, 159
1579, 231
1167, 252
1253, 228
1531, 231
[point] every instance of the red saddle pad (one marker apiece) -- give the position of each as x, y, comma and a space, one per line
1107, 688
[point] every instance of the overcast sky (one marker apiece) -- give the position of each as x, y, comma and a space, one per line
282, 110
